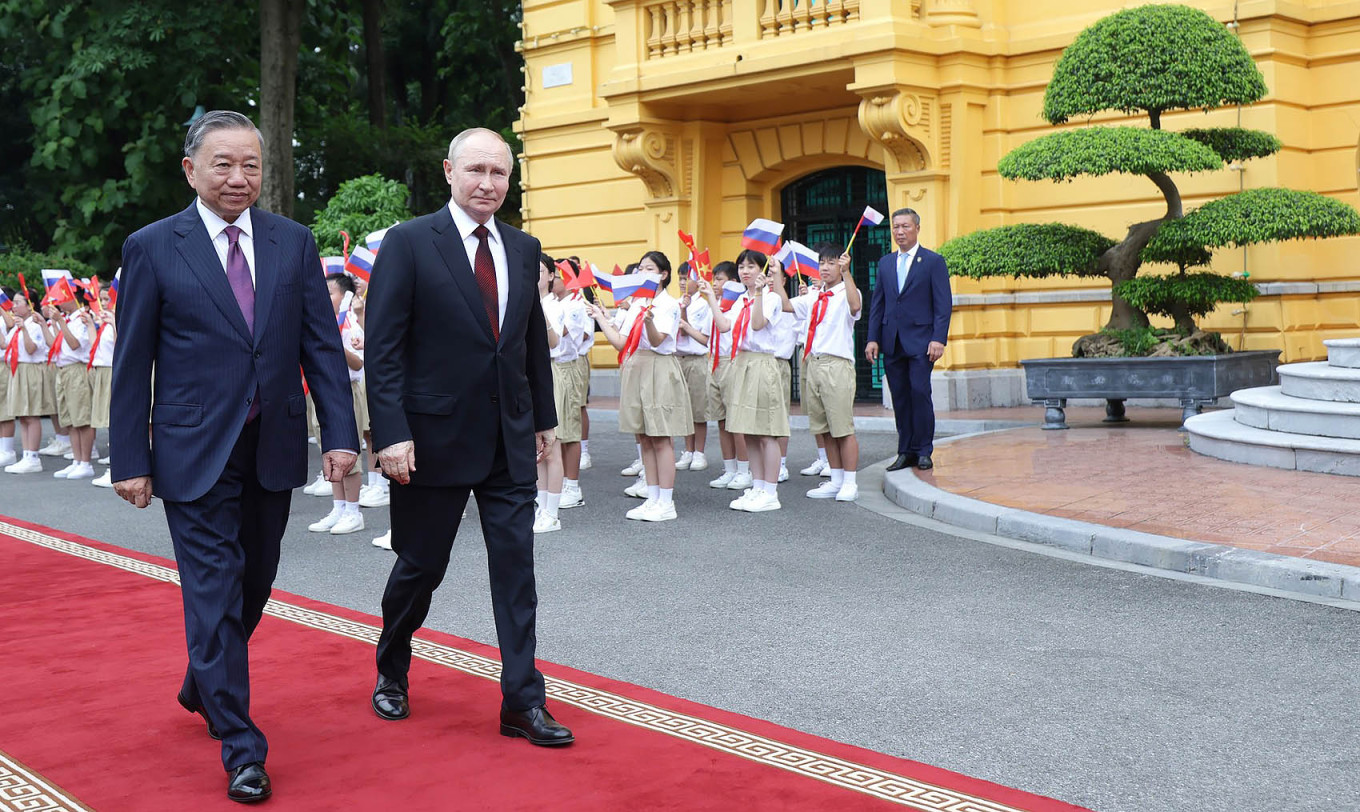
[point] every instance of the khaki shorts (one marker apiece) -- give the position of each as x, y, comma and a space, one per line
568, 397
755, 405
717, 401
101, 383
695, 369
312, 425
5, 414
829, 395
28, 392
75, 398
786, 375
360, 399
653, 400
583, 370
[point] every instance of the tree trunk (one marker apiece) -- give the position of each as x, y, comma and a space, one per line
280, 39
376, 62
1122, 262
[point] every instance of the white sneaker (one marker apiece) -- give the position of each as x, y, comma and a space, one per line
349, 523
377, 496
683, 463
699, 463
56, 448
319, 487
826, 490
27, 465
585, 460
826, 470
7, 458
638, 489
331, 520
103, 460
632, 470
543, 523
740, 502
741, 481
848, 493
65, 472
104, 481
571, 497
640, 511
814, 469
660, 513
384, 541
69, 455
783, 474
724, 480
81, 470
761, 502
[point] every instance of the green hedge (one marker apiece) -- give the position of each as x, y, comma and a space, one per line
31, 264
1103, 150
1027, 249
359, 207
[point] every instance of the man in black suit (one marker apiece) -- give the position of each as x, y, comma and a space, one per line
459, 379
225, 302
909, 324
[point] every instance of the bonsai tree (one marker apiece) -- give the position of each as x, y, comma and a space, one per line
1150, 60
360, 206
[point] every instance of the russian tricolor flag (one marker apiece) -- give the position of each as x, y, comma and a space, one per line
870, 217
5, 303
637, 285
58, 284
762, 235
360, 263
799, 259
374, 240
330, 265
113, 289
731, 292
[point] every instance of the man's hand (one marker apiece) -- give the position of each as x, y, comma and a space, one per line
336, 465
543, 441
871, 351
398, 461
137, 491
934, 350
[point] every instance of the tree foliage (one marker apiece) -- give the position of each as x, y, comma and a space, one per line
1105, 150
1257, 216
1152, 59
1027, 249
1195, 294
31, 265
1235, 143
359, 207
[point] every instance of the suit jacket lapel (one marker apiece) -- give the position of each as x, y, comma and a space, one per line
266, 268
199, 254
912, 272
514, 264
449, 243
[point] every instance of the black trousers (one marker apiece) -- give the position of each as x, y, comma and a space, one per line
425, 521
909, 381
227, 548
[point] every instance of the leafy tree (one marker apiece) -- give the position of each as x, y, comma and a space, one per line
1151, 60
31, 265
361, 206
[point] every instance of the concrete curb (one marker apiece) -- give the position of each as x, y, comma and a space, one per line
1298, 575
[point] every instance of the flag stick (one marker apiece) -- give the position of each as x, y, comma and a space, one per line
853, 235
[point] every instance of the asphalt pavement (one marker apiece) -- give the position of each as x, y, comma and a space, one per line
1108, 686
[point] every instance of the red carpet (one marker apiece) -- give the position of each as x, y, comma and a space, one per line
94, 651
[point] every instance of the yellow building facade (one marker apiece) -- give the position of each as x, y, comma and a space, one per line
647, 116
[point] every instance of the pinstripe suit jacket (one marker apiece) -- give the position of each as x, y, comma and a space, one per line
177, 314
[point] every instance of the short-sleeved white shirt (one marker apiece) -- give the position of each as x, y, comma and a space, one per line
103, 354
349, 331
81, 354
836, 332
701, 319
766, 340
39, 354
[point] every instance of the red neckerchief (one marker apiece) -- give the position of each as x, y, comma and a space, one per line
94, 348
715, 341
818, 313
56, 346
740, 328
12, 349
630, 346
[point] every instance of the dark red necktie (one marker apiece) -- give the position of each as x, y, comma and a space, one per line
818, 313
484, 269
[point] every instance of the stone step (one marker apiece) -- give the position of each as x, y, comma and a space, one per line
1343, 352
1218, 434
1266, 407
1318, 380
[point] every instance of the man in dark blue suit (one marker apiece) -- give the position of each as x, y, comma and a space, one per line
224, 303
908, 326
459, 379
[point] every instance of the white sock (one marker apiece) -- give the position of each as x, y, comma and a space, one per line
374, 478
743, 466
638, 446
666, 495
352, 508
542, 498
571, 484
86, 466
585, 446
729, 466
337, 505
772, 488
64, 439
30, 455
849, 478
758, 485
6, 445
653, 492
821, 454
837, 476
551, 502
783, 462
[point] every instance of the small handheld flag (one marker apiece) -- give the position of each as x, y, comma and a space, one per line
344, 249
374, 240
113, 289
871, 216
5, 303
330, 265
584, 279
24, 287
762, 235
639, 285
58, 286
568, 275
800, 260
731, 292
360, 263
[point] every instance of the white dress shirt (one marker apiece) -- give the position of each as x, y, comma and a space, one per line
700, 319
767, 339
904, 260
217, 231
836, 332
81, 354
466, 225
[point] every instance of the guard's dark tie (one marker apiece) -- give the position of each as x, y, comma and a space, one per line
484, 269
238, 274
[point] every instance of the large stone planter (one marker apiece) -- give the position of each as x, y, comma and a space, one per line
1194, 380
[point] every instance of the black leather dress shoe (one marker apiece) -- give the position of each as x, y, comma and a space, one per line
924, 463
390, 700
902, 461
196, 708
536, 725
249, 783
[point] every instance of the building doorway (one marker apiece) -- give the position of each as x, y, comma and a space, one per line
825, 206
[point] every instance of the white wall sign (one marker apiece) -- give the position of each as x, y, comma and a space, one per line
557, 75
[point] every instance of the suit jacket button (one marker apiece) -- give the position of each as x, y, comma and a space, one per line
495, 399
258, 353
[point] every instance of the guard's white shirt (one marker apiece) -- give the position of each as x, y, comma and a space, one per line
700, 318
836, 332
766, 340
466, 225
217, 231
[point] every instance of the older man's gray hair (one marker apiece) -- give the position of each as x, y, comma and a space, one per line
916, 218
456, 145
217, 120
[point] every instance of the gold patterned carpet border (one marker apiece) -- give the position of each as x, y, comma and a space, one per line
22, 790
904, 790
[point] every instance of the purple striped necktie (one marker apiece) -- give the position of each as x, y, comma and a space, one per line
238, 274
